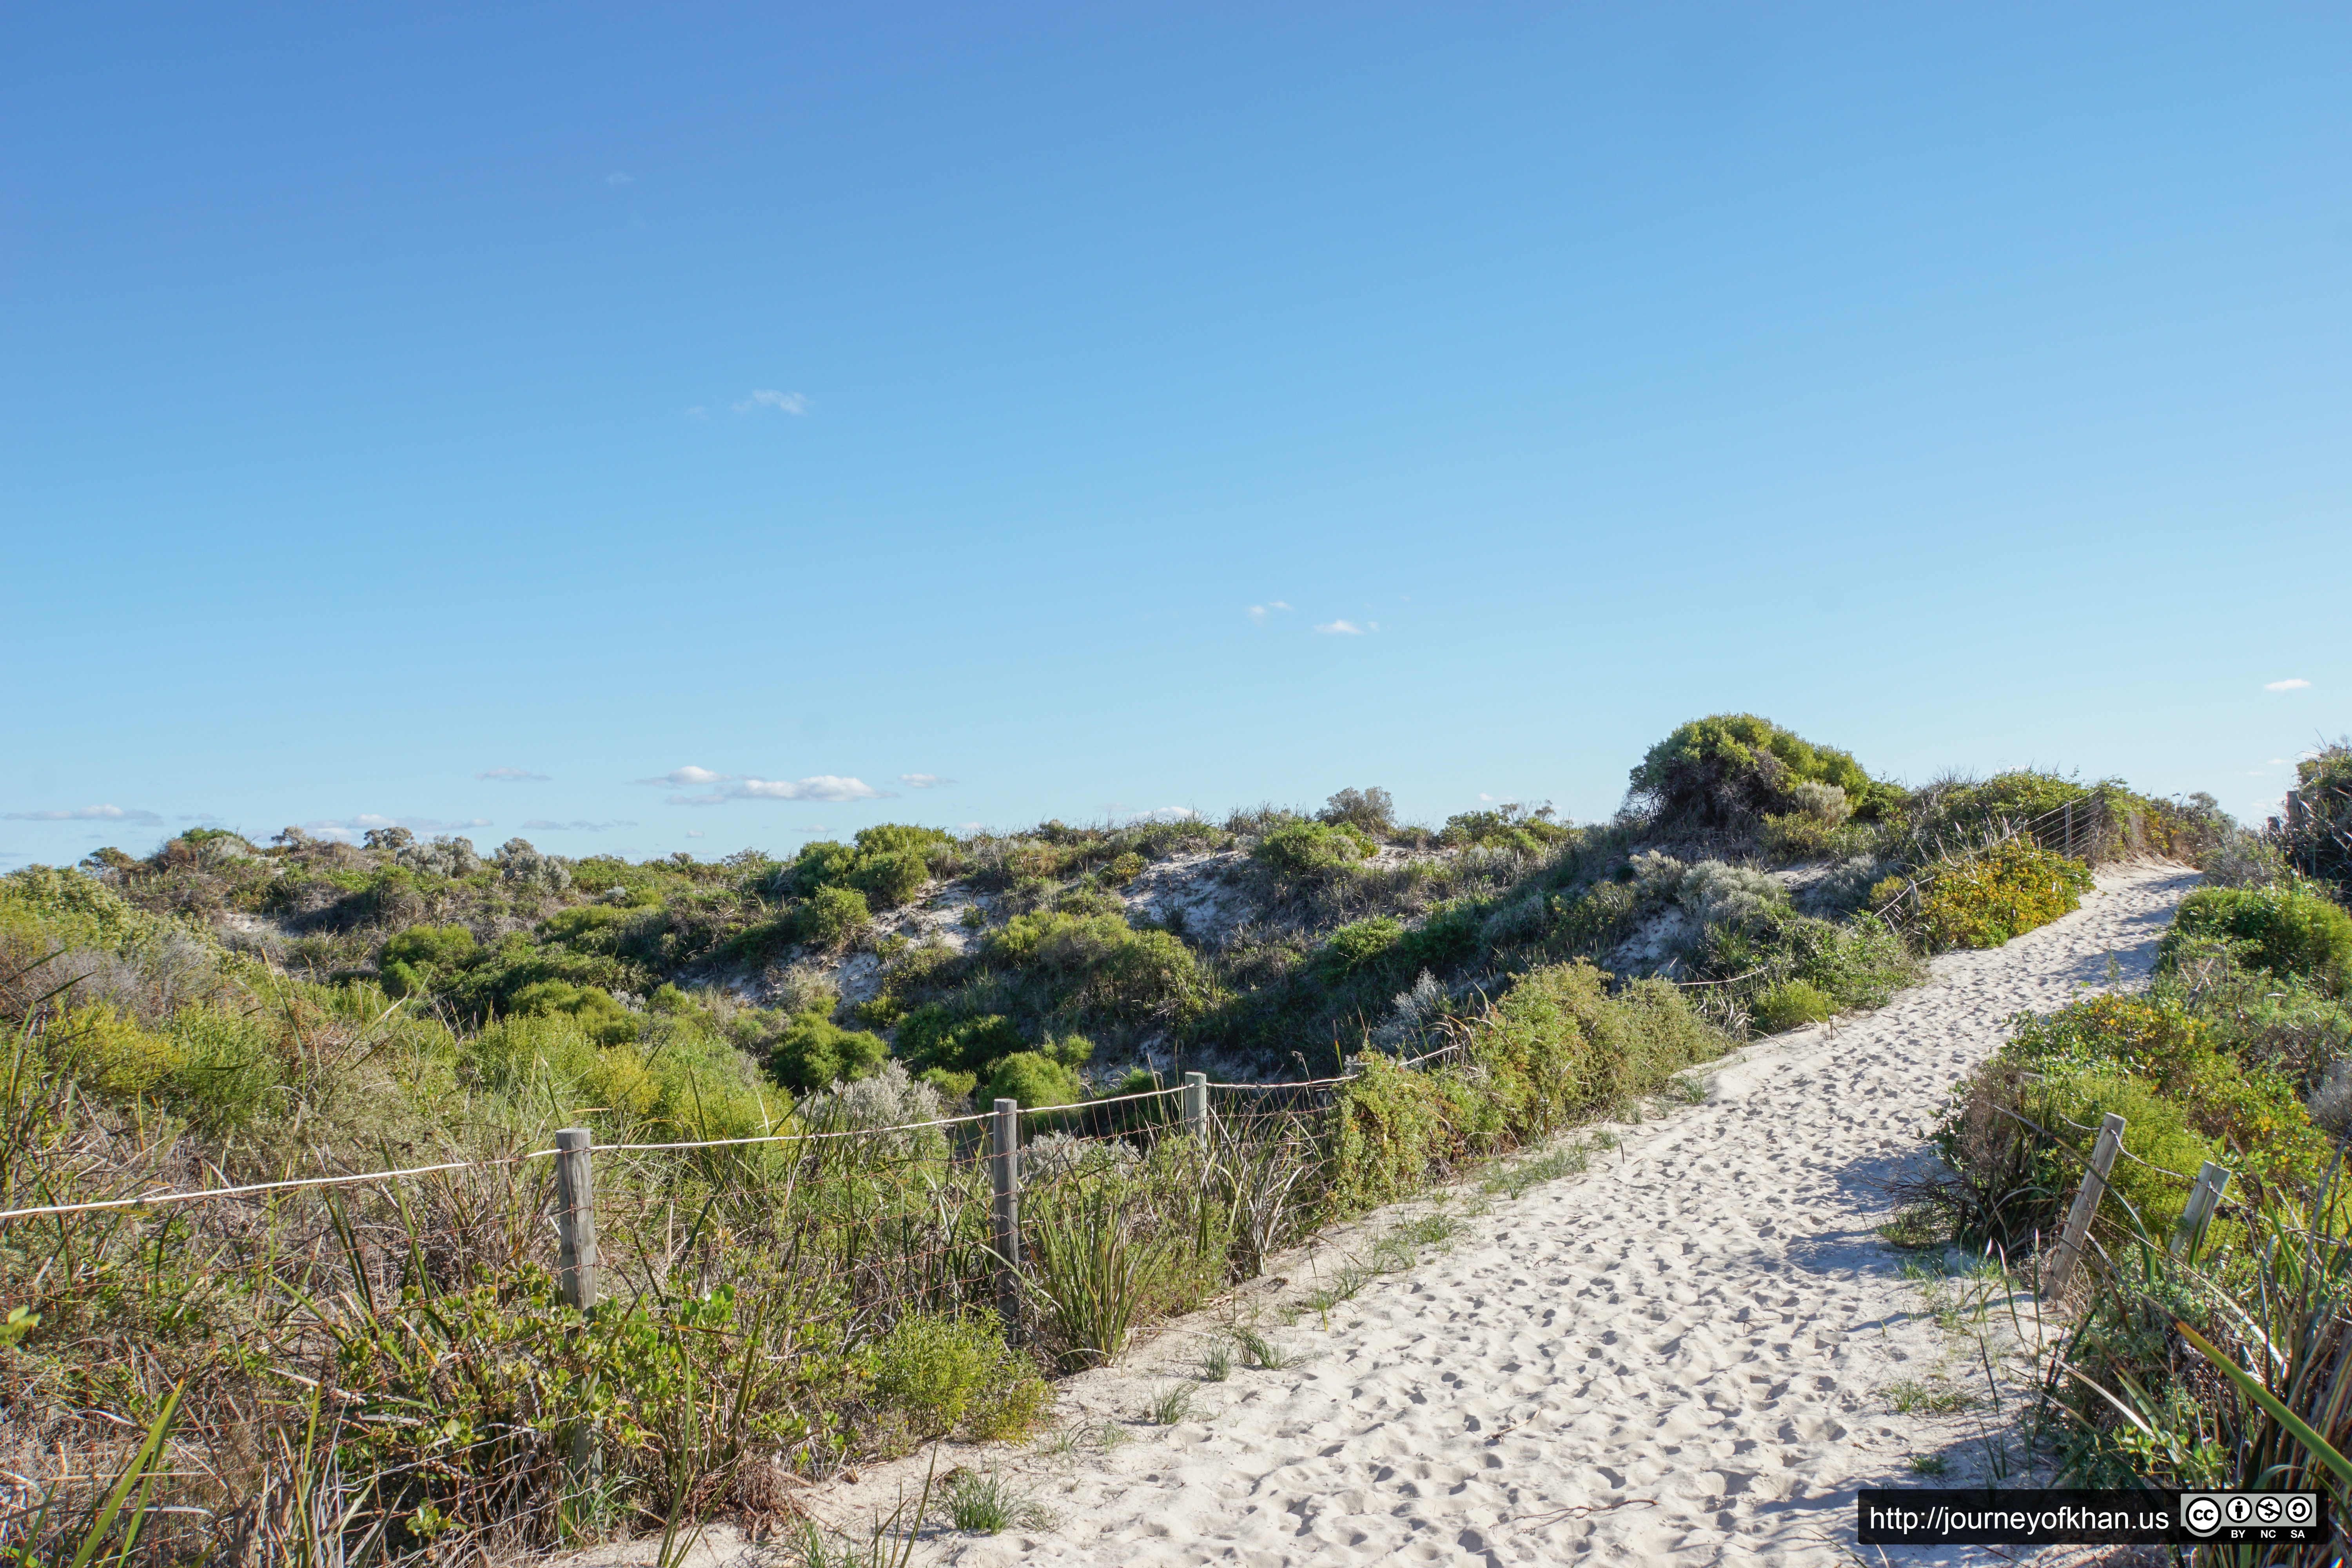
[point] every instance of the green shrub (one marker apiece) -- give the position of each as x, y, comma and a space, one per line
1597, 919
1306, 848
1372, 812
1448, 935
832, 917
895, 838
1556, 1048
414, 962
2156, 1133
2154, 1040
1035, 1079
2317, 836
2285, 931
605, 1020
107, 1053
953, 1087
1511, 825
1124, 868
1732, 768
443, 947
936, 1375
815, 1053
936, 1035
2007, 890
1097, 967
1363, 945
890, 879
1792, 1004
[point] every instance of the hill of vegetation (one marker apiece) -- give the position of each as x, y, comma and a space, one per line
223, 1011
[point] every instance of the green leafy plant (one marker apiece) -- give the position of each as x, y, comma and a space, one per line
1091, 1274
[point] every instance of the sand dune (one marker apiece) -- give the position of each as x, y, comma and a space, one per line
1678, 1356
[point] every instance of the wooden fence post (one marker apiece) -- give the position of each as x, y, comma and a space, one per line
2070, 828
2069, 1251
1196, 1104
575, 1263
2203, 1199
575, 1219
1004, 1173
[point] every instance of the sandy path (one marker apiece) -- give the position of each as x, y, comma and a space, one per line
1679, 1356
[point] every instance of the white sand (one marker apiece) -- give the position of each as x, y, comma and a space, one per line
1680, 1356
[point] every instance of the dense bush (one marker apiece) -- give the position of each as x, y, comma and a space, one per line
2283, 930
1034, 1078
2316, 833
1362, 945
832, 917
943, 1375
1369, 811
1792, 1004
1097, 968
2004, 892
815, 1053
1556, 1048
1730, 770
1304, 848
1511, 825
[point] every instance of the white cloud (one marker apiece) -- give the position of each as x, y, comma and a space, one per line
1342, 629
2296, 684
693, 833
1258, 612
697, 412
1165, 813
84, 813
924, 781
823, 786
513, 775
769, 397
617, 179
540, 822
1483, 796
680, 778
201, 816
728, 786
1278, 605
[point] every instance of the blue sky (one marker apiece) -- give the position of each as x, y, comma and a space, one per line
426, 414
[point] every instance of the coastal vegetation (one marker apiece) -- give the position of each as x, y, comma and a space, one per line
776, 1049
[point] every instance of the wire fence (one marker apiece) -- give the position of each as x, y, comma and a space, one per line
499, 1338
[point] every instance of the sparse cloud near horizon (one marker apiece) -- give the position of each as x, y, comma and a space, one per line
1166, 814
924, 781
724, 787
543, 825
1259, 612
791, 402
2295, 683
512, 775
1347, 628
84, 813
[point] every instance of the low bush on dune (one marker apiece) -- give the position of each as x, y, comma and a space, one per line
1303, 849
1735, 768
2004, 892
2235, 1053
2282, 931
1558, 1048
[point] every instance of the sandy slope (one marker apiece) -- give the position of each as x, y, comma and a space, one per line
1678, 1357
